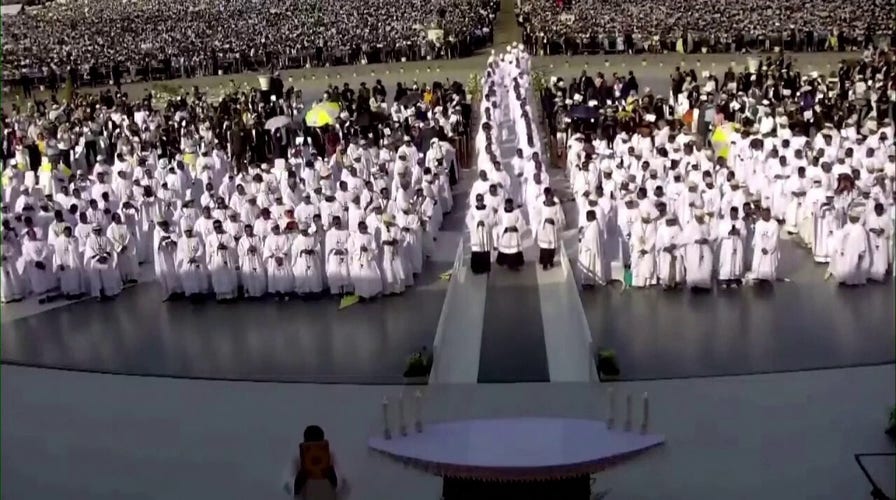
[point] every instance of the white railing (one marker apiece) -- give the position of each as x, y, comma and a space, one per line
458, 276
576, 311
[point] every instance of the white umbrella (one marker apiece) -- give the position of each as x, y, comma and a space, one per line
277, 122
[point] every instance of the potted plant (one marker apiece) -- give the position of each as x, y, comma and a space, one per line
419, 365
891, 427
607, 366
474, 88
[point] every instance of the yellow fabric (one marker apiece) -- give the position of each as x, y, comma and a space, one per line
42, 147
324, 113
46, 167
720, 141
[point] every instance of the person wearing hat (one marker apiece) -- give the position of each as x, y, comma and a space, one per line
306, 263
281, 282
697, 252
670, 264
851, 261
101, 265
165, 259
764, 262
223, 261
191, 263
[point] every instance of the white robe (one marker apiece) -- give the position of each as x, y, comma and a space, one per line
123, 242
589, 259
13, 284
193, 275
306, 264
394, 268
510, 241
643, 265
69, 264
411, 245
104, 276
253, 275
698, 257
480, 224
765, 237
730, 250
826, 224
337, 261
365, 273
41, 281
550, 226
670, 264
277, 262
880, 245
852, 256
164, 261
222, 264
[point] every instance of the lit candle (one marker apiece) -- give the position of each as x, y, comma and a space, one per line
646, 415
401, 427
611, 408
628, 412
418, 411
386, 433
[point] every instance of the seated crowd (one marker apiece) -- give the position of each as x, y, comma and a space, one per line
96, 41
223, 201
595, 26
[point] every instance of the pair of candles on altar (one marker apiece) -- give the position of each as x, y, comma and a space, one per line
402, 428
611, 411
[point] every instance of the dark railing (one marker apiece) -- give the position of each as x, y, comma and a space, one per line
876, 492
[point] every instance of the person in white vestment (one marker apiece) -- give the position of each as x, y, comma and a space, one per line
223, 260
764, 265
480, 224
511, 227
411, 246
191, 264
281, 282
394, 268
730, 244
306, 265
548, 229
827, 222
338, 258
697, 250
253, 275
165, 260
643, 250
589, 258
69, 264
365, 273
12, 282
880, 234
670, 263
37, 257
851, 261
124, 244
101, 265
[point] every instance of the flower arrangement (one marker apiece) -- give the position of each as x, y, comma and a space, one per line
474, 87
539, 82
607, 366
419, 364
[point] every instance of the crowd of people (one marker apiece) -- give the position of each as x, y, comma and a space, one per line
697, 189
581, 26
98, 41
221, 200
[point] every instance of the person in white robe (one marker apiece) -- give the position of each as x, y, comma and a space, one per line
764, 264
643, 250
101, 265
730, 245
13, 283
480, 223
880, 234
338, 258
411, 245
124, 244
670, 262
697, 250
165, 260
191, 264
37, 260
281, 282
394, 267
851, 261
827, 222
306, 264
365, 273
253, 274
69, 264
222, 261
589, 259
511, 227
548, 229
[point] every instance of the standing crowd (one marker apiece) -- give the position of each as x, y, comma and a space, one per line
222, 206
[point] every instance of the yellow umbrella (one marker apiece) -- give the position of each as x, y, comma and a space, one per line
721, 139
324, 113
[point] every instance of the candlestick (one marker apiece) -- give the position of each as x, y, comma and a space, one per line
418, 412
611, 408
646, 414
387, 434
628, 412
401, 427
